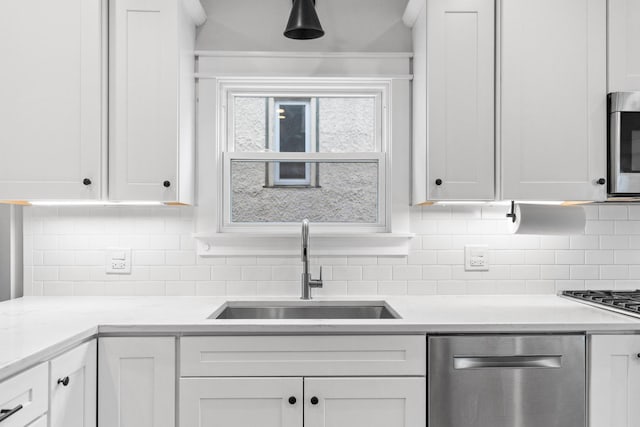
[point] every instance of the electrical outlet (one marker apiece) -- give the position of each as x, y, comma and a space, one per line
476, 258
118, 261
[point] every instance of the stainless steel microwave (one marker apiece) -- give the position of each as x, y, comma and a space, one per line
624, 143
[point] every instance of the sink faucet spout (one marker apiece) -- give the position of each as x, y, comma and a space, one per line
307, 281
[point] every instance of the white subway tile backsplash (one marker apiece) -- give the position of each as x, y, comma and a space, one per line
64, 252
525, 272
361, 287
395, 287
344, 273
613, 212
377, 272
584, 242
584, 272
255, 273
569, 257
211, 288
614, 242
598, 257
226, 272
616, 272
554, 272
407, 272
196, 272
422, 287
180, 288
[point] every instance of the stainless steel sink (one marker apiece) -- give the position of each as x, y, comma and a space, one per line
305, 310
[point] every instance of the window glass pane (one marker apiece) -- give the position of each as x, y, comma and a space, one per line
250, 119
342, 124
293, 137
343, 192
347, 124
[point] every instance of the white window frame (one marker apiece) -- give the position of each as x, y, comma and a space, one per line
307, 141
228, 89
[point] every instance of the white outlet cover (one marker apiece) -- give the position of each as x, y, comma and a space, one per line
118, 261
476, 258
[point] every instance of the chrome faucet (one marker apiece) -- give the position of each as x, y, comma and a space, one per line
307, 281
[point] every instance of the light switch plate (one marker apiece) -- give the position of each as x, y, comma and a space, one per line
118, 261
476, 258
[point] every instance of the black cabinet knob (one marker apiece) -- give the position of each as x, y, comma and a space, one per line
314, 400
638, 355
602, 181
292, 400
438, 181
64, 381
86, 181
167, 184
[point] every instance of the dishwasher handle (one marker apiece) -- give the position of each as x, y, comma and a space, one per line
513, 362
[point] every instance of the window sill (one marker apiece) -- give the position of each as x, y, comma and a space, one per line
288, 244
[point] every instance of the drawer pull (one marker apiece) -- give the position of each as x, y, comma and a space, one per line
64, 381
6, 413
517, 362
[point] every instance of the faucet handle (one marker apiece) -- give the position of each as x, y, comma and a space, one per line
320, 274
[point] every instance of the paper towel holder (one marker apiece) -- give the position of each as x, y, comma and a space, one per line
512, 214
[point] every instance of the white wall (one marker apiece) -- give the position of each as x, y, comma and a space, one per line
349, 25
64, 255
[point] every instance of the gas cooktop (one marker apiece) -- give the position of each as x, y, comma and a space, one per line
627, 302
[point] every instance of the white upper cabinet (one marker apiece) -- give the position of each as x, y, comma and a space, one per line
453, 140
624, 53
51, 106
553, 99
152, 99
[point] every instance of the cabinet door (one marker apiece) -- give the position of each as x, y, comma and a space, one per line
460, 94
364, 402
624, 55
73, 387
553, 99
143, 150
241, 402
50, 102
136, 382
614, 386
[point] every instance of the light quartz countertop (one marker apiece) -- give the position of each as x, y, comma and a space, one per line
35, 329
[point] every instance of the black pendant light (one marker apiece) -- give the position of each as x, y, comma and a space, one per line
303, 22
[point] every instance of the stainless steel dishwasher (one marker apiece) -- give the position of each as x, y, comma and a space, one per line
507, 381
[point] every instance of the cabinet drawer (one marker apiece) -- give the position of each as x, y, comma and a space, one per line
40, 422
28, 389
302, 355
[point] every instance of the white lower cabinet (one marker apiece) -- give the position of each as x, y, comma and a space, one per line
40, 422
614, 387
332, 381
365, 402
24, 397
241, 402
279, 402
136, 382
73, 387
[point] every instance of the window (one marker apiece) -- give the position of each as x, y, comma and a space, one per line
352, 175
313, 149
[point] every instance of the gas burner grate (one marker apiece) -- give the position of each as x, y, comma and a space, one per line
627, 301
